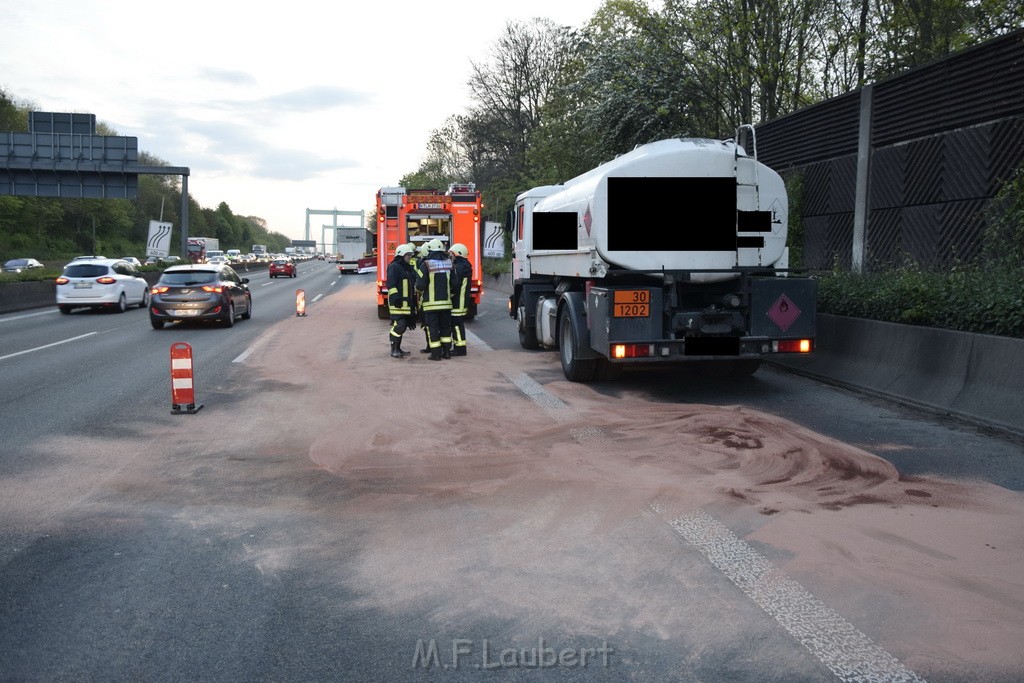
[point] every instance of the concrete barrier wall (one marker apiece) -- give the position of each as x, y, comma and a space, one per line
976, 376
498, 284
21, 296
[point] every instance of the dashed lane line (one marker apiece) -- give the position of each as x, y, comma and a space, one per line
257, 344
47, 346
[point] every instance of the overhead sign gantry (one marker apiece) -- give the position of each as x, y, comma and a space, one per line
62, 156
334, 226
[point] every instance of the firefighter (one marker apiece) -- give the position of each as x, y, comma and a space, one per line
417, 314
435, 292
421, 255
401, 293
462, 273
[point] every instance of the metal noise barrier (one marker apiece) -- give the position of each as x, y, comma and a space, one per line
183, 396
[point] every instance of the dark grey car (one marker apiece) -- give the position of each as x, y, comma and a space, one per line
200, 292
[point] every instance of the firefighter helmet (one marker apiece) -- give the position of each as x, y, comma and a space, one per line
435, 245
459, 249
403, 249
422, 251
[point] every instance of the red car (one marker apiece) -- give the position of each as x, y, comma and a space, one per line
282, 267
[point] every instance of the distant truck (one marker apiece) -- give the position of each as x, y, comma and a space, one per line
672, 253
199, 248
260, 250
351, 245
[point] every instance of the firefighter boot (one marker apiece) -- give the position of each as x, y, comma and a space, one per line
446, 350
401, 350
458, 351
435, 354
395, 351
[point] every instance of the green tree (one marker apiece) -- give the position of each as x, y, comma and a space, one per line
509, 93
13, 117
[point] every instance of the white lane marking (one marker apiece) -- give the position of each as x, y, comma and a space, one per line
476, 341
7, 319
267, 283
846, 651
317, 298
558, 410
835, 642
46, 346
258, 343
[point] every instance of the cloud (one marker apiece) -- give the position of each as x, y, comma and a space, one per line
236, 149
292, 164
313, 99
228, 76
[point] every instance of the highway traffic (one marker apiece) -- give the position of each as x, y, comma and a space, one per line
336, 514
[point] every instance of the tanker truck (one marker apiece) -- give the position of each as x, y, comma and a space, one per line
673, 253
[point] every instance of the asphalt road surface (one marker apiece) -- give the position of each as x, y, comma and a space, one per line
335, 514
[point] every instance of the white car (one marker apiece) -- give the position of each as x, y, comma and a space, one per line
101, 283
132, 260
217, 260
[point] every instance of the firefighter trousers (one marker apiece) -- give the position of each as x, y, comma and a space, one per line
439, 327
459, 331
399, 324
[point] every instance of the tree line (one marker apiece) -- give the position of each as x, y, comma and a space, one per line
549, 102
56, 228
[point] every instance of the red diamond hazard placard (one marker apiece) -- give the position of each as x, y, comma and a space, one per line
783, 313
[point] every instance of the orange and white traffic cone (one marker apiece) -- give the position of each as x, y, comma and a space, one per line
183, 394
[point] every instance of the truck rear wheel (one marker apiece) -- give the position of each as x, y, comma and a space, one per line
527, 334
575, 368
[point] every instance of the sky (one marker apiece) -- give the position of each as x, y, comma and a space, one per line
275, 108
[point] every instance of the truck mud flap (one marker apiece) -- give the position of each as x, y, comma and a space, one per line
573, 305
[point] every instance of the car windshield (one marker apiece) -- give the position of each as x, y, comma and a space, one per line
280, 263
85, 270
196, 277
16, 262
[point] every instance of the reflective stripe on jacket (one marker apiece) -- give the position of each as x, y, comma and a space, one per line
462, 273
400, 287
435, 282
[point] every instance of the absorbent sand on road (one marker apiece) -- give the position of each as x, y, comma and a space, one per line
472, 501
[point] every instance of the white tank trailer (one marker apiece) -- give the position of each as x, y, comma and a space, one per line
673, 253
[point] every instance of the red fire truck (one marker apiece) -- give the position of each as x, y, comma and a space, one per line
418, 216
